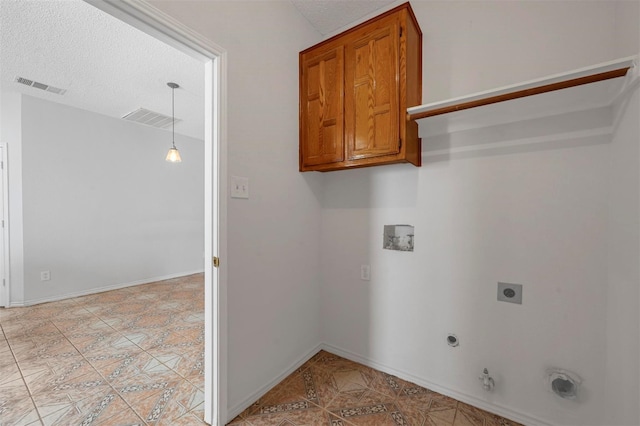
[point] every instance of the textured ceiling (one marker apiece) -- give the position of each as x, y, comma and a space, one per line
105, 65
328, 16
108, 67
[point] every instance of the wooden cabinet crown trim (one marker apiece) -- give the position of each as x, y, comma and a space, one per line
390, 12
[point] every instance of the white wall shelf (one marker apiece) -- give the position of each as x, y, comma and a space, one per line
578, 90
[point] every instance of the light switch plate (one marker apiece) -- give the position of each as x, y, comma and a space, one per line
239, 187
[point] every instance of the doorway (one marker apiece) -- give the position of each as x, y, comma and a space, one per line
164, 28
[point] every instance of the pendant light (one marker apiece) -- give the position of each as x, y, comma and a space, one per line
173, 156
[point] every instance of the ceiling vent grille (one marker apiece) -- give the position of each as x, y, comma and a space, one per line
40, 86
150, 118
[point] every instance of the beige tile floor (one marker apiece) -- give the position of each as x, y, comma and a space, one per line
126, 357
330, 390
135, 357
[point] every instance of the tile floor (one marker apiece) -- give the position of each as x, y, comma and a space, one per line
330, 390
125, 357
135, 357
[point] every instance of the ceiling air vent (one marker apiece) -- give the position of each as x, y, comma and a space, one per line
150, 118
40, 86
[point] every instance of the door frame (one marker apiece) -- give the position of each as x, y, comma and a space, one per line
150, 20
5, 286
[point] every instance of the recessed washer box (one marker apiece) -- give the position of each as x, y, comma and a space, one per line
511, 293
398, 237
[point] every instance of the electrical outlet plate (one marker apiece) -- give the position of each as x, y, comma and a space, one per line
511, 293
365, 272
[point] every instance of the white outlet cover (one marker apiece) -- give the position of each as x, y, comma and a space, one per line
365, 272
511, 293
239, 187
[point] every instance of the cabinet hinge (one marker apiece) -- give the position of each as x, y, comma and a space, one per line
400, 31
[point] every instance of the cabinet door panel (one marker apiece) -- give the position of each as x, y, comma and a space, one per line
371, 99
322, 108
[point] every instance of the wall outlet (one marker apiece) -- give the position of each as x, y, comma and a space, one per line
511, 293
45, 276
365, 272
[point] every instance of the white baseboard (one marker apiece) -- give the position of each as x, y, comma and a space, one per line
240, 407
500, 410
102, 289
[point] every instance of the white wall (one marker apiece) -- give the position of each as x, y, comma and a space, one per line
623, 304
534, 215
101, 207
471, 46
273, 276
627, 37
623, 322
534, 218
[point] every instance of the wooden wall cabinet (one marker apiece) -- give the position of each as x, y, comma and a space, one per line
355, 89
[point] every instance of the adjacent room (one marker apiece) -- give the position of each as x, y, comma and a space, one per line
93, 206
490, 277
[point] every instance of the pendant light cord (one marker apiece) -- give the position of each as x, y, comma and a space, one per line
173, 155
173, 118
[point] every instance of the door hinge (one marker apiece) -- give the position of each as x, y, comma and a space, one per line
216, 261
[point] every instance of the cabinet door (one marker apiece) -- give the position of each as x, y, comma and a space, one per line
322, 106
371, 100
